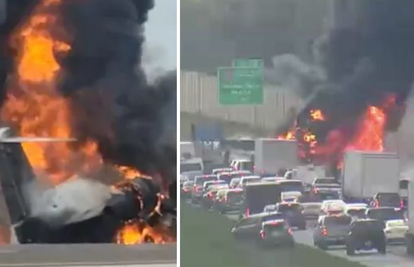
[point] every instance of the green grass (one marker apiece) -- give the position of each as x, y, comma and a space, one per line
206, 242
229, 128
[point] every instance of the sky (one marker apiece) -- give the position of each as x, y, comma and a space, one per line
160, 52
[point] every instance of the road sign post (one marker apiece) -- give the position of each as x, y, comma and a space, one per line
240, 85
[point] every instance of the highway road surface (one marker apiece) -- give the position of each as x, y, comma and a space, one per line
396, 255
78, 255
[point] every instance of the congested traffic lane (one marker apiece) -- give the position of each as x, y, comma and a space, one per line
396, 255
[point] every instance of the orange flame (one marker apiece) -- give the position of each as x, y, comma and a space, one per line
130, 173
290, 135
137, 232
134, 233
317, 115
370, 136
34, 105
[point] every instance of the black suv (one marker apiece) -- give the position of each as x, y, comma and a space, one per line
276, 232
293, 214
387, 200
366, 234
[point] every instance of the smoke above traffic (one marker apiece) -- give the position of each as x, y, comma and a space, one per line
367, 64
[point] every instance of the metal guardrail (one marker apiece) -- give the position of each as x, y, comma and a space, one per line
88, 255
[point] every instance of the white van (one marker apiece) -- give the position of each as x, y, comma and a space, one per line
187, 150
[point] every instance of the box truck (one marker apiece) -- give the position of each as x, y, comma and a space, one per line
366, 173
410, 212
273, 155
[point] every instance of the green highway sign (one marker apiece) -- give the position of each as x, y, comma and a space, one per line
248, 63
240, 86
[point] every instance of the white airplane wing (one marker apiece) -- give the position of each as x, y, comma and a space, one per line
35, 140
5, 138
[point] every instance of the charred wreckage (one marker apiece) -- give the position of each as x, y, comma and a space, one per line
356, 88
78, 210
81, 210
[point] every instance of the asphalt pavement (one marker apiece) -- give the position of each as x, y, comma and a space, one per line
88, 255
396, 255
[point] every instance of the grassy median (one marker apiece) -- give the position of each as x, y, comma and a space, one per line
206, 242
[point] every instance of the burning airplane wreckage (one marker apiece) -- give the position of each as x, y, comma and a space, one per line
84, 121
367, 68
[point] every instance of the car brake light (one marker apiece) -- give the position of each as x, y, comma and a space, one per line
262, 234
290, 231
274, 223
210, 195
376, 203
247, 213
315, 191
324, 231
401, 203
186, 190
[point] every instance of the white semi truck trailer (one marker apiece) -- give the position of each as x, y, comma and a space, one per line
272, 155
366, 173
410, 234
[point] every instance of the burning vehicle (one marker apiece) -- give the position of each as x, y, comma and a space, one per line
90, 155
81, 210
366, 63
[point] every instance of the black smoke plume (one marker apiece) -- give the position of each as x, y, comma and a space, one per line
102, 77
366, 57
113, 102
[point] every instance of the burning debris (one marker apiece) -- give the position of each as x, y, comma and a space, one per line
290, 135
368, 66
94, 215
369, 135
75, 72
